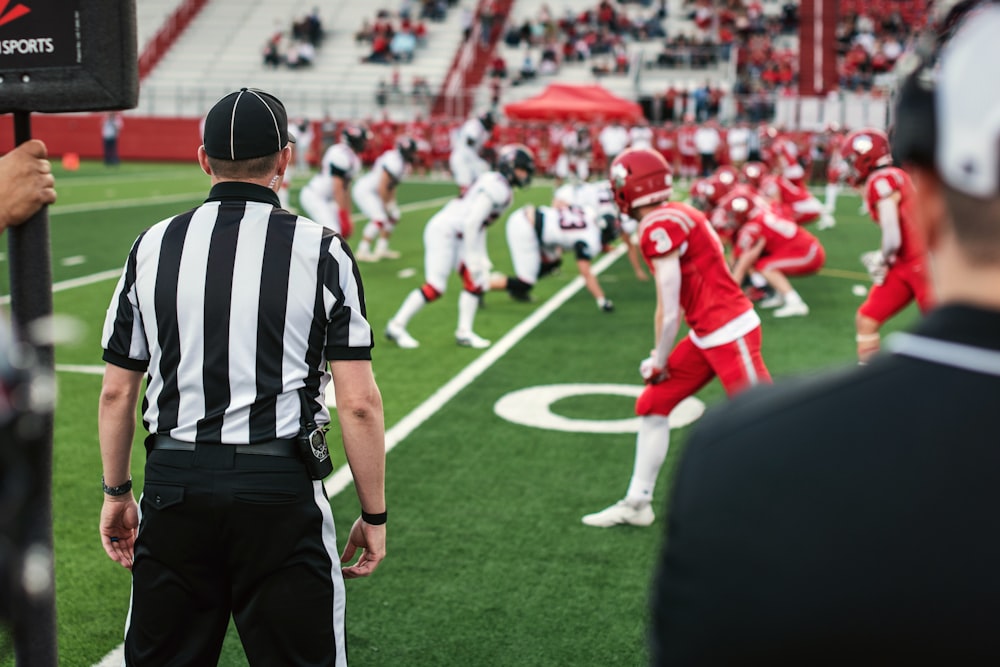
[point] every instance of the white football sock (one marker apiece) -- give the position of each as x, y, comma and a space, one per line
468, 304
832, 189
651, 445
411, 306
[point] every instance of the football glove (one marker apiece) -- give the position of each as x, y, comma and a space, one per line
650, 373
876, 266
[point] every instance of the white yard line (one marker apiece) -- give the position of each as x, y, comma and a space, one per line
341, 479
193, 197
113, 274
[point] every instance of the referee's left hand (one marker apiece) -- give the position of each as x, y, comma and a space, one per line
119, 523
371, 540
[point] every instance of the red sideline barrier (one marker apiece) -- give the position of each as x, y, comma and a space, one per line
142, 138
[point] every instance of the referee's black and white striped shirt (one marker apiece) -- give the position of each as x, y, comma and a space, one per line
231, 308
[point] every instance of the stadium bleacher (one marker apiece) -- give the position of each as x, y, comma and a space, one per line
222, 50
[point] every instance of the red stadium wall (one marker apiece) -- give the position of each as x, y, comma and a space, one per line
142, 138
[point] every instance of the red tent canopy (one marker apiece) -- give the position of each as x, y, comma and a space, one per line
565, 102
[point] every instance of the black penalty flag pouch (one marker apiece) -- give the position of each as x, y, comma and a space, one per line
312, 442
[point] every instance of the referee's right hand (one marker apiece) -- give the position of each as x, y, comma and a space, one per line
371, 540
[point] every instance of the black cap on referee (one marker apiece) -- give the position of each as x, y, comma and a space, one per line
246, 124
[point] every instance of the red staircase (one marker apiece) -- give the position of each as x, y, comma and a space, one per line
456, 97
168, 33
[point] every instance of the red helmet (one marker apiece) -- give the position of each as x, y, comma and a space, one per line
753, 173
701, 190
864, 151
737, 207
640, 177
727, 175
707, 192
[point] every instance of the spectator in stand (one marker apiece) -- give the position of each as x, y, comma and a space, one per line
528, 69
403, 45
550, 60
621, 59
498, 67
272, 52
421, 89
380, 51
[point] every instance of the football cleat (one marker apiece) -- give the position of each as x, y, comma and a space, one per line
366, 256
398, 335
792, 310
386, 253
621, 513
471, 340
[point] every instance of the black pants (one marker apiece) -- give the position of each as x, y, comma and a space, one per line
248, 535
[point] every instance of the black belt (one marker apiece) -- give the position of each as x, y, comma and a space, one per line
285, 448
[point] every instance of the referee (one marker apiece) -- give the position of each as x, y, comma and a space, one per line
237, 312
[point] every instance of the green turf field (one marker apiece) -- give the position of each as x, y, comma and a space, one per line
488, 563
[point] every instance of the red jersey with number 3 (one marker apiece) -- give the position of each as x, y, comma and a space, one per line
888, 182
709, 295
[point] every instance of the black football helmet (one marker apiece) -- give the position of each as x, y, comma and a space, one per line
356, 137
488, 120
407, 147
516, 156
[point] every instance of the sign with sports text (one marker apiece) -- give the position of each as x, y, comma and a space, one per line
68, 55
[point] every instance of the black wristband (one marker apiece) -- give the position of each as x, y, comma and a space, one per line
373, 519
117, 490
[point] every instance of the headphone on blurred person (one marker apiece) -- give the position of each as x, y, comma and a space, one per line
933, 126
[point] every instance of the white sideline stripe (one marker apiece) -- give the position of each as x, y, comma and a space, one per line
126, 203
76, 282
193, 197
76, 368
114, 274
342, 478
118, 179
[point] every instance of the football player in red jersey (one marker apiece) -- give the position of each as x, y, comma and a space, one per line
791, 199
692, 281
899, 268
777, 248
753, 174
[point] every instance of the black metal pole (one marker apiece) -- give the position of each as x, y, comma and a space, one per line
34, 619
